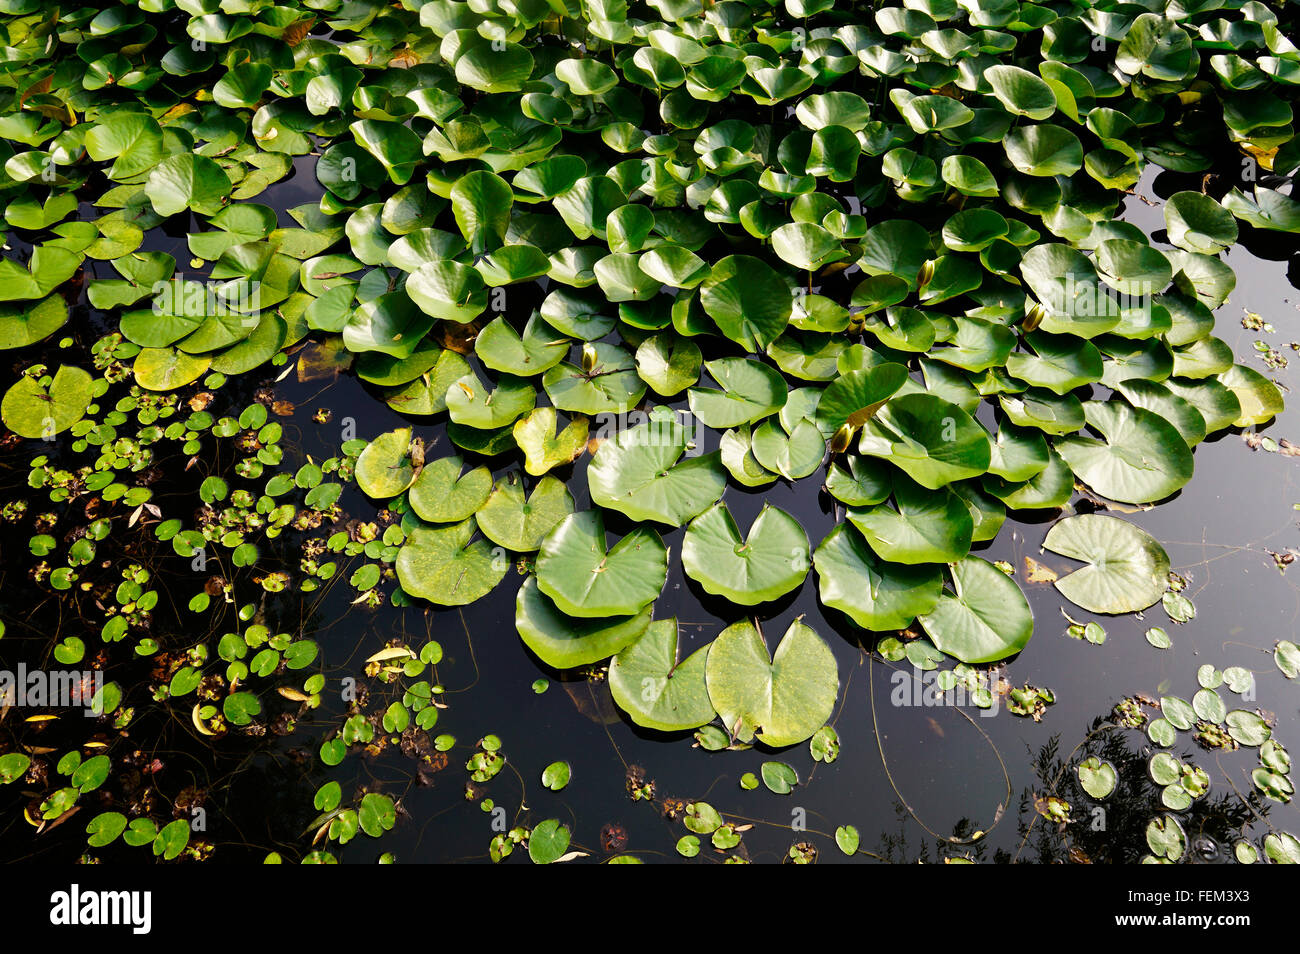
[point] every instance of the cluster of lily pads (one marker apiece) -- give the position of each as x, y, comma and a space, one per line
1093, 347
877, 248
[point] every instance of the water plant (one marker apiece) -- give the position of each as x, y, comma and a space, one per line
712, 247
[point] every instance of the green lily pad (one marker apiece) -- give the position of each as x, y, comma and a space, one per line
770, 562
473, 404
564, 642
1096, 777
166, 369
30, 322
933, 441
443, 494
543, 448
929, 526
875, 594
520, 524
640, 472
1128, 569
1258, 397
984, 619
33, 409
655, 688
586, 579
1197, 223
793, 455
854, 397
188, 181
668, 363
748, 299
384, 469
780, 699
750, 391
442, 565
605, 382
538, 349
1141, 459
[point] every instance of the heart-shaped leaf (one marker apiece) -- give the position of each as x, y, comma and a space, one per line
638, 473
655, 688
985, 618
520, 524
442, 565
585, 579
564, 642
770, 562
1127, 572
780, 699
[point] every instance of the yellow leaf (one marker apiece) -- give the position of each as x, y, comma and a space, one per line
392, 652
1036, 572
198, 722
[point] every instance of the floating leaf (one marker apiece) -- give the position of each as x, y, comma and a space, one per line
640, 472
585, 579
34, 409
1142, 458
984, 619
443, 566
564, 642
876, 595
655, 688
770, 562
1127, 571
780, 699
933, 441
443, 494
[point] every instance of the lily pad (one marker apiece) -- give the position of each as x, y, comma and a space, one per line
443, 494
1128, 569
564, 642
520, 524
657, 689
933, 441
985, 618
442, 565
640, 472
780, 699
1141, 459
770, 562
543, 448
875, 594
33, 409
384, 469
929, 526
586, 579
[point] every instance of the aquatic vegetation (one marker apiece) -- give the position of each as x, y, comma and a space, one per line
713, 248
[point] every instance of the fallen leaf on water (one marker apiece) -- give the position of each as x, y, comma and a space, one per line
1036, 572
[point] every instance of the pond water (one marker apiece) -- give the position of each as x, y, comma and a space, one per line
919, 781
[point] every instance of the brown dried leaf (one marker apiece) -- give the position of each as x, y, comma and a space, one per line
296, 32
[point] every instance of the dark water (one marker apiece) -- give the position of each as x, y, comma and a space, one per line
909, 777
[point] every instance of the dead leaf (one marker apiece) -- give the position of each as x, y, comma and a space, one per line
296, 32
392, 652
1036, 572
459, 338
